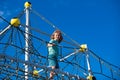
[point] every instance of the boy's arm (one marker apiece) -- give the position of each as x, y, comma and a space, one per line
50, 44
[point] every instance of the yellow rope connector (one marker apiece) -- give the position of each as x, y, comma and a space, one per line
15, 22
83, 48
35, 73
27, 4
91, 77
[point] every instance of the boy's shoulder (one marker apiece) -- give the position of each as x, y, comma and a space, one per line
53, 41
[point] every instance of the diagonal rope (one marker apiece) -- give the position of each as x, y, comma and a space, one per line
107, 64
55, 27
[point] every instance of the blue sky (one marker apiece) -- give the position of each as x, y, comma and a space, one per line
94, 22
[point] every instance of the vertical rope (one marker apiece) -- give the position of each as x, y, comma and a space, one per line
100, 66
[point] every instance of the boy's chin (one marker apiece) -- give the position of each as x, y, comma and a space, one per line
57, 39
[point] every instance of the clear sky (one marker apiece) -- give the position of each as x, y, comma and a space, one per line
94, 22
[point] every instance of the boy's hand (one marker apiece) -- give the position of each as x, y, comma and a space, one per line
50, 44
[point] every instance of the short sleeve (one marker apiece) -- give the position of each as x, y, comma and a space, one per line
51, 41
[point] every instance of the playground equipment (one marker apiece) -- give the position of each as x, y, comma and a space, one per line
23, 53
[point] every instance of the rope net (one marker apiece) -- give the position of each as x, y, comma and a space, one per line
73, 65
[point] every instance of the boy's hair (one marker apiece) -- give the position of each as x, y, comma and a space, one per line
57, 31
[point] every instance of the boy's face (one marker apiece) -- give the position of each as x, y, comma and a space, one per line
56, 36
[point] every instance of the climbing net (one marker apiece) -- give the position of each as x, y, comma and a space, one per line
72, 57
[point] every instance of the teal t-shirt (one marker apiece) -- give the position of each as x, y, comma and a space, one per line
53, 50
